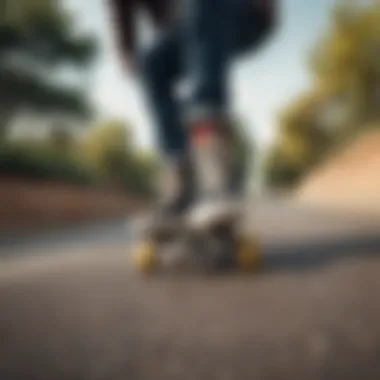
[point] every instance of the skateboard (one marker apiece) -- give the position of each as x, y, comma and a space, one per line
209, 246
210, 237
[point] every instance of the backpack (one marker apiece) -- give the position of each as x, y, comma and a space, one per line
256, 23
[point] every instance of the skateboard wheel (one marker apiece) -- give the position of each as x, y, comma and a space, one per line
248, 256
145, 257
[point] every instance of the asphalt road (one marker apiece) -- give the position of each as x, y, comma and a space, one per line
280, 226
33, 243
72, 308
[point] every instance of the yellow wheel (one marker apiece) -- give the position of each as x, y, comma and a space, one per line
144, 257
248, 255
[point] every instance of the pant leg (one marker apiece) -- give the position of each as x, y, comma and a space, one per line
161, 66
208, 27
216, 32
203, 44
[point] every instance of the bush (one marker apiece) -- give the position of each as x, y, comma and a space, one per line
279, 171
44, 164
282, 177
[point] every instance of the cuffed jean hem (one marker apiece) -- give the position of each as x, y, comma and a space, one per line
205, 112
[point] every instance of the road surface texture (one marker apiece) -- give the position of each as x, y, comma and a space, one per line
72, 308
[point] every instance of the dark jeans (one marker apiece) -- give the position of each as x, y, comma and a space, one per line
200, 47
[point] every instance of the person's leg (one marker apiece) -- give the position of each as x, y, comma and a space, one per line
208, 37
216, 33
161, 67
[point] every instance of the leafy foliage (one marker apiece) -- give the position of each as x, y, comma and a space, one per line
343, 99
111, 150
37, 40
37, 163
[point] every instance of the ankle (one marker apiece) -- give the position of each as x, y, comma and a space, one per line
207, 129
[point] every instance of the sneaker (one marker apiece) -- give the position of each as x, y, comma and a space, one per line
177, 191
212, 149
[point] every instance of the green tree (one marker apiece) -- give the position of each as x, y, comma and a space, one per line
344, 97
61, 139
300, 143
280, 171
111, 149
38, 41
347, 60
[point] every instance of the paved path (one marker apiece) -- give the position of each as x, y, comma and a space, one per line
71, 308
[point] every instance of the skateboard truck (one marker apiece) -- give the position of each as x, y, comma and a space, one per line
207, 253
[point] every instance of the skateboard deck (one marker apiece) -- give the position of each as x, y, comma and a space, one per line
207, 246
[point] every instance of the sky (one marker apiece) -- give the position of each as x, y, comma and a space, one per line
262, 82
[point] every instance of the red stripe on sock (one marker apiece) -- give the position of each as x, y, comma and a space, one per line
202, 133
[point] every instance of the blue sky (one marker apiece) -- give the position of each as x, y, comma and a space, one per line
262, 83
